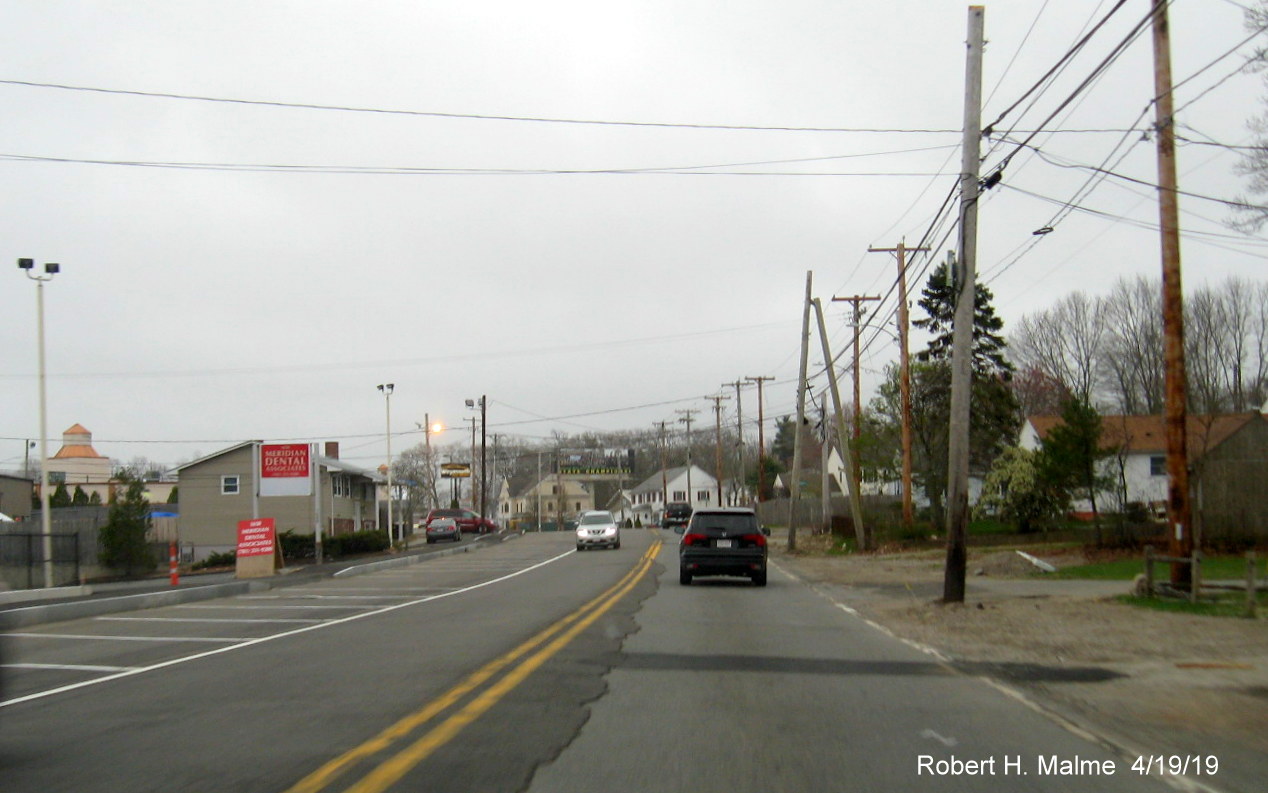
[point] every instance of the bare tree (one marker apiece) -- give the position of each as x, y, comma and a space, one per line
1132, 364
1251, 215
1067, 343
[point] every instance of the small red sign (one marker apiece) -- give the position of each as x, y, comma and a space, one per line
256, 537
284, 460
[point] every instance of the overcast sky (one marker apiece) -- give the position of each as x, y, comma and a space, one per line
434, 216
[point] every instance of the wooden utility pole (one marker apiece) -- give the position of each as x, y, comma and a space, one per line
904, 371
843, 440
664, 475
686, 419
739, 433
717, 414
1179, 510
794, 484
761, 435
962, 333
857, 321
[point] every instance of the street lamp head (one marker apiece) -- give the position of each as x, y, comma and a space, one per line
387, 388
437, 428
470, 403
26, 264
52, 268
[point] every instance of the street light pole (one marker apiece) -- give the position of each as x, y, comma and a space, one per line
46, 515
387, 389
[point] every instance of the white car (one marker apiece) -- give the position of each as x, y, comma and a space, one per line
597, 528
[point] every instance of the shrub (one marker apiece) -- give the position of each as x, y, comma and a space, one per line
225, 559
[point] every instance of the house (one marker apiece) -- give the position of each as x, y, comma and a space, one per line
1228, 460
691, 484
218, 491
547, 497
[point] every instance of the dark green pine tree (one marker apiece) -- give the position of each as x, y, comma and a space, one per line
938, 299
123, 539
60, 497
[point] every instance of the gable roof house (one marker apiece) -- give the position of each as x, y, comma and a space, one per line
1228, 461
218, 491
647, 498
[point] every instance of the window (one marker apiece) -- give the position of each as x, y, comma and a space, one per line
230, 485
1157, 465
679, 495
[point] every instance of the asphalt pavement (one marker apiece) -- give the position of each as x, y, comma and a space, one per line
26, 607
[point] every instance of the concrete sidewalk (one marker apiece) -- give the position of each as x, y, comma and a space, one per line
26, 607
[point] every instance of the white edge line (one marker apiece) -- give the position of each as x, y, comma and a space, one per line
185, 659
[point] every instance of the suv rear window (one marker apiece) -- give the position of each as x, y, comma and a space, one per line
724, 523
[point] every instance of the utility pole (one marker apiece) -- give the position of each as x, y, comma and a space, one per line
794, 484
761, 435
717, 414
962, 333
858, 396
843, 440
686, 419
473, 421
1178, 507
664, 475
904, 371
739, 433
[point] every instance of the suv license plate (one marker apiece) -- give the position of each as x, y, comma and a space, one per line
725, 544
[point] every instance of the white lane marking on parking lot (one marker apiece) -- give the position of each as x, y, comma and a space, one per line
73, 667
197, 619
285, 634
272, 607
103, 637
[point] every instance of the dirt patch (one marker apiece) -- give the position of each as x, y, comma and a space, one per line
1147, 680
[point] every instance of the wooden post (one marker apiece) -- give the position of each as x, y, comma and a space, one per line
1149, 571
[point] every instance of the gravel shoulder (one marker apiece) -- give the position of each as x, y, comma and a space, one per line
1144, 681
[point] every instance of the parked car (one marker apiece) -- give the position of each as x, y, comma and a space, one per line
443, 529
467, 520
726, 541
597, 528
677, 513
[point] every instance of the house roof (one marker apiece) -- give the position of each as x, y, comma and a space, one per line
1146, 434
77, 429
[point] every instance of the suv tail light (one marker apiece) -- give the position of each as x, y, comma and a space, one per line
756, 539
695, 539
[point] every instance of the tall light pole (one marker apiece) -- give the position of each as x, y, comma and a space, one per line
387, 389
481, 403
46, 515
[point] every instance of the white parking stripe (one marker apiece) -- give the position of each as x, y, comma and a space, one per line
195, 619
81, 636
271, 607
73, 667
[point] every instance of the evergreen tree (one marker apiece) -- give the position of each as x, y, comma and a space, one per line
60, 497
1072, 454
123, 539
938, 299
80, 499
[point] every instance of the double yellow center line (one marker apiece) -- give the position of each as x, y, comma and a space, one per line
525, 659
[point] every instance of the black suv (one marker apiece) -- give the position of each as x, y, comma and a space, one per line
723, 542
677, 513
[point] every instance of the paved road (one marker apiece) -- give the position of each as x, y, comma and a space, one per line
523, 666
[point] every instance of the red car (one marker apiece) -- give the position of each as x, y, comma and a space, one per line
467, 520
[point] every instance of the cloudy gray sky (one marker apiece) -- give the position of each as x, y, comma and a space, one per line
403, 192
